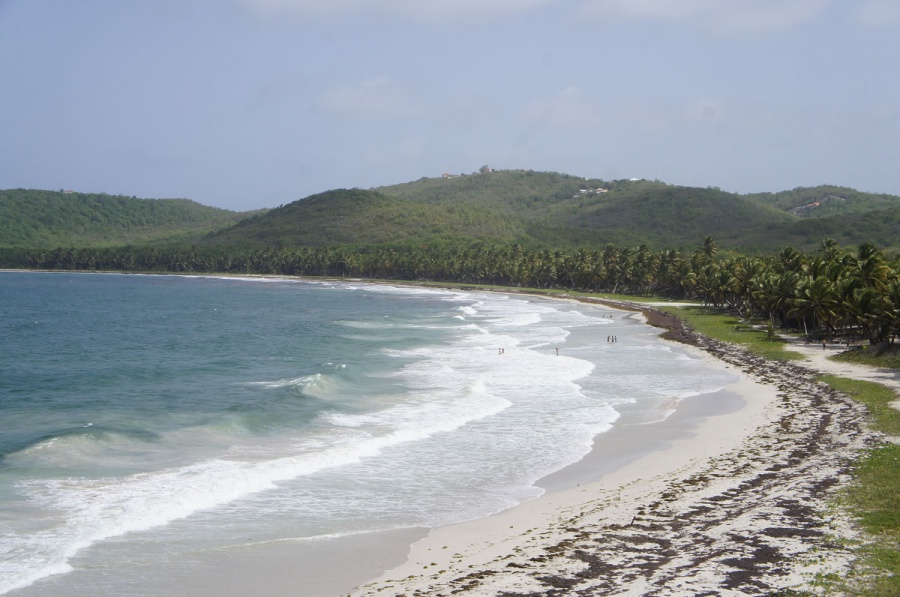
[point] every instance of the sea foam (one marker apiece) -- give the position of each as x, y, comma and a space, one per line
297, 411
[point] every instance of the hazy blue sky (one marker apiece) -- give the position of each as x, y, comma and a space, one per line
255, 103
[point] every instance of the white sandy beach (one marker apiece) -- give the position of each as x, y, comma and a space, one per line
734, 502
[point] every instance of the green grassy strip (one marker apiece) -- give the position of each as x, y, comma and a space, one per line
877, 399
729, 328
868, 357
876, 497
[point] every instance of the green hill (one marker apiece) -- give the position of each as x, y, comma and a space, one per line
660, 215
880, 227
47, 219
552, 210
827, 201
539, 210
362, 217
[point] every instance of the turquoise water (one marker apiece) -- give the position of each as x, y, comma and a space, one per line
145, 417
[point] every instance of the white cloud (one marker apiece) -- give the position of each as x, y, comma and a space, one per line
879, 13
419, 10
721, 16
375, 98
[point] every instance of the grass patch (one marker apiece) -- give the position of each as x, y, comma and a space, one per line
874, 499
879, 491
728, 327
871, 357
876, 397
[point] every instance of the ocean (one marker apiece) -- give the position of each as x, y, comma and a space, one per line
148, 420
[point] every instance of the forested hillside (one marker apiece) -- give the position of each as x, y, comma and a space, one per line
663, 215
552, 210
33, 218
361, 217
827, 201
538, 210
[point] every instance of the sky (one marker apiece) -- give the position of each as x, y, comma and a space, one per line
243, 104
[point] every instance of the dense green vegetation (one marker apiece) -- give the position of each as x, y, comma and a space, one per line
538, 210
47, 219
827, 200
356, 217
548, 210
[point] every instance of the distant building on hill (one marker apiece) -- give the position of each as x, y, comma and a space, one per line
597, 191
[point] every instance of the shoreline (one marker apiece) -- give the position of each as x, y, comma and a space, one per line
366, 557
725, 501
731, 500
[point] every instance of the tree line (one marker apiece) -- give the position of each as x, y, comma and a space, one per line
835, 293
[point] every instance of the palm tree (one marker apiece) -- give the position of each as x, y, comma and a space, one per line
772, 294
709, 249
868, 309
831, 251
816, 299
871, 268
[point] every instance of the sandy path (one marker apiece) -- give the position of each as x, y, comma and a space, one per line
819, 360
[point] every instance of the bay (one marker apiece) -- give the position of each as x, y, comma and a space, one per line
146, 419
